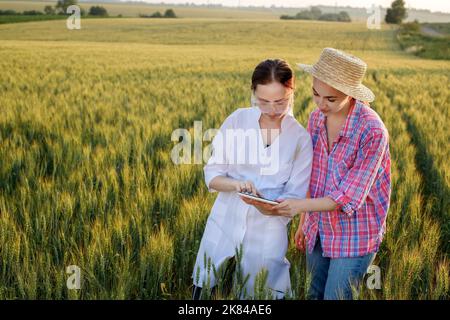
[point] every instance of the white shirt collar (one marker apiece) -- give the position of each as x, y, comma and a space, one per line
284, 121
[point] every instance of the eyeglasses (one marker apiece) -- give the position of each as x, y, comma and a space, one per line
279, 105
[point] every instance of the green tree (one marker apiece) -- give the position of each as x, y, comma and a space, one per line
62, 5
315, 13
169, 14
304, 15
329, 17
32, 13
49, 10
286, 17
344, 16
396, 13
98, 11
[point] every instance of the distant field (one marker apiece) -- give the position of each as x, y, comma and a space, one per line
85, 139
297, 34
133, 10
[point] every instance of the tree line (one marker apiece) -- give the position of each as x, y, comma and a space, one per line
316, 14
394, 15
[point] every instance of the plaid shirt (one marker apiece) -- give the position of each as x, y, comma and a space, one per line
356, 175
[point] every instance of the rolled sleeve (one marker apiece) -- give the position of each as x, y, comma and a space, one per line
343, 202
212, 171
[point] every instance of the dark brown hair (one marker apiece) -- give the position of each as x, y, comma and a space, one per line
273, 70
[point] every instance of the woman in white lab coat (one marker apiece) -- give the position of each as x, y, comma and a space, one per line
265, 151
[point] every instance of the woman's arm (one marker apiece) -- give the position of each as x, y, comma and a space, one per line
226, 184
353, 189
292, 207
317, 204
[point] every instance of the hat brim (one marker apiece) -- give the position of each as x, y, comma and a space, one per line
360, 92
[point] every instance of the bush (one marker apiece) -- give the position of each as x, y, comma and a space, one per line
8, 13
303, 15
329, 17
156, 14
344, 17
169, 14
287, 17
32, 13
49, 10
98, 11
316, 14
313, 14
411, 27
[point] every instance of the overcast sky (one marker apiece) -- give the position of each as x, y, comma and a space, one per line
433, 5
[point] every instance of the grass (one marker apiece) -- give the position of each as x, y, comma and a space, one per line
413, 40
28, 18
85, 140
4, 19
443, 28
197, 32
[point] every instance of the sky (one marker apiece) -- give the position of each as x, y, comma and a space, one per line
433, 5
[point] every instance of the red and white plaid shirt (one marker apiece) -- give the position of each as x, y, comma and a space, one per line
356, 175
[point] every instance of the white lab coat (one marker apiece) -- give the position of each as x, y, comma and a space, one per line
232, 222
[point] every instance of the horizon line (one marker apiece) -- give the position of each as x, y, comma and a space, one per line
189, 4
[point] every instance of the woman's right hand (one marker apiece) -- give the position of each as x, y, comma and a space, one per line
246, 186
249, 186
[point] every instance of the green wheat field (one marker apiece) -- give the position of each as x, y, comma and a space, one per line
86, 178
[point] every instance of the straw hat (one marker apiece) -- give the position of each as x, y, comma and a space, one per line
342, 71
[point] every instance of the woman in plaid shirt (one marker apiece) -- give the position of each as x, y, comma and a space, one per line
350, 187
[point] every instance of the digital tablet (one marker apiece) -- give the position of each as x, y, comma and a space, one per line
254, 197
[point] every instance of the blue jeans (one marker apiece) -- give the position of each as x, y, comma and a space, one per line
333, 278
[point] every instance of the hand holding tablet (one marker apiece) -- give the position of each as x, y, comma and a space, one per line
257, 198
